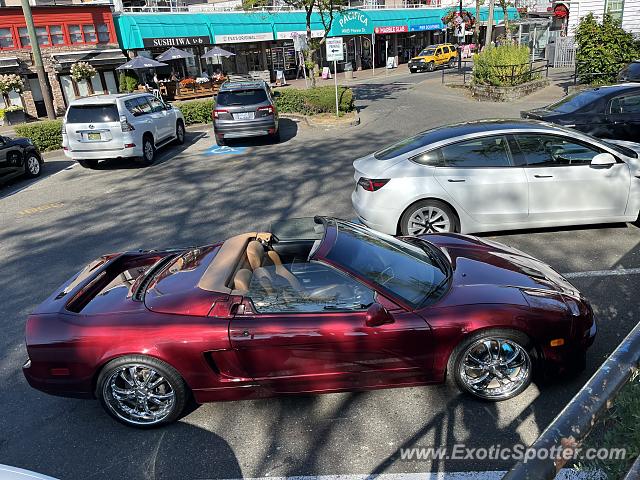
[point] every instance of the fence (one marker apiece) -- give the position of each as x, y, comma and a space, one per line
574, 422
582, 76
506, 75
562, 51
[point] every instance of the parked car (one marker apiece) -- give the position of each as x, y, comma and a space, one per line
309, 305
630, 73
604, 112
19, 157
434, 56
245, 108
13, 473
128, 125
497, 175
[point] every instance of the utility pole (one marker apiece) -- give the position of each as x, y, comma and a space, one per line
37, 59
487, 38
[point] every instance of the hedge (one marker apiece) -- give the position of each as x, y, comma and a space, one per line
288, 100
504, 65
46, 135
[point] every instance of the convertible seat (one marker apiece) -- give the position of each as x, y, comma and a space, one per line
242, 280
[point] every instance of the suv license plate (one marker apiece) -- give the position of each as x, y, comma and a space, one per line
94, 136
244, 115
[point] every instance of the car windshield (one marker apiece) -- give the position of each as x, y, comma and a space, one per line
575, 102
241, 97
93, 113
620, 149
427, 52
414, 272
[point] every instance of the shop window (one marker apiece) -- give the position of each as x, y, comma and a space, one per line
89, 32
103, 33
57, 37
24, 37
6, 38
43, 36
75, 34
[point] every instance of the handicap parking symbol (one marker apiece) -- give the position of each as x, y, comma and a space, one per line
225, 150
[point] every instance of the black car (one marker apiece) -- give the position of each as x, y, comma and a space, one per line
605, 112
630, 73
18, 157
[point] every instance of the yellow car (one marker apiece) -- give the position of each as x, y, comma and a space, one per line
433, 56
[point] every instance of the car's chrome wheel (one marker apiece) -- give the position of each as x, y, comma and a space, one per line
139, 394
429, 219
495, 368
148, 151
180, 133
33, 166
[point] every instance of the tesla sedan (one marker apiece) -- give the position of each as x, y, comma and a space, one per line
310, 305
497, 175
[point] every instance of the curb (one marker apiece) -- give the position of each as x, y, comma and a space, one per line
310, 121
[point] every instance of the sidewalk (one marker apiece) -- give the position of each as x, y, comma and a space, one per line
358, 77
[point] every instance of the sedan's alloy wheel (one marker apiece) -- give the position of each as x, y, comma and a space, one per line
494, 368
33, 165
140, 395
429, 219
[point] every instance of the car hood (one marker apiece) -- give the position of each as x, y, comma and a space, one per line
489, 272
416, 59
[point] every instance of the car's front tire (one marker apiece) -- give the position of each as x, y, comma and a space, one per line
32, 165
493, 365
431, 66
141, 391
88, 163
428, 216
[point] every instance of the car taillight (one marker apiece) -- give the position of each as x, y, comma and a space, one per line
125, 125
216, 113
269, 110
372, 184
64, 128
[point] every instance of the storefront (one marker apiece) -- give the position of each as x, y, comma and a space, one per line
66, 35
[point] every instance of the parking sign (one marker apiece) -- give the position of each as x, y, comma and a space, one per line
334, 49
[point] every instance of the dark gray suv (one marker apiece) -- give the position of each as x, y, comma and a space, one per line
244, 109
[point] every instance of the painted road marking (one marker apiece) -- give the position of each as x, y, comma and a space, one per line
604, 273
225, 150
564, 474
41, 208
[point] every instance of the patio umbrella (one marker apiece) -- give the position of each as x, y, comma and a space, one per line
217, 52
141, 63
174, 54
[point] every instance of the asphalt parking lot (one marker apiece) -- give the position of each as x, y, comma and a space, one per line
198, 193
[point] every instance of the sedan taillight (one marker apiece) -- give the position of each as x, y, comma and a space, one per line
268, 110
372, 184
216, 113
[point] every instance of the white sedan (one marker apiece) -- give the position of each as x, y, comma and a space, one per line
497, 175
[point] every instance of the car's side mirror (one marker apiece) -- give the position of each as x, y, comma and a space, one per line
377, 315
168, 106
603, 160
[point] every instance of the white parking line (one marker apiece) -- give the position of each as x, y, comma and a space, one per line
564, 474
604, 273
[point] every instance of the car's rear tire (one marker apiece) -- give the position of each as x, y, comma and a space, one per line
493, 365
431, 66
220, 141
180, 133
148, 151
88, 163
32, 165
428, 216
275, 138
452, 62
141, 391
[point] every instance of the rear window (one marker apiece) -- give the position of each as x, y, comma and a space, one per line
241, 97
93, 113
403, 146
575, 102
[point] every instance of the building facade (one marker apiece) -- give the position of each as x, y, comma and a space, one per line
66, 34
628, 11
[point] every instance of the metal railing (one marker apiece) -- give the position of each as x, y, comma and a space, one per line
572, 425
508, 75
591, 77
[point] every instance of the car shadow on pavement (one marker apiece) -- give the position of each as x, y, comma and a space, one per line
49, 168
288, 130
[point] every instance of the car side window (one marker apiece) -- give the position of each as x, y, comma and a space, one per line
552, 151
439, 51
625, 105
306, 288
479, 152
137, 106
156, 105
432, 158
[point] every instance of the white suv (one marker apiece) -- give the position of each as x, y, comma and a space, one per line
119, 126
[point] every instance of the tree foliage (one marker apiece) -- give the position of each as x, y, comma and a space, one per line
603, 49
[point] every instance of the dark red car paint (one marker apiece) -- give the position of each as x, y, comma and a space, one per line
227, 356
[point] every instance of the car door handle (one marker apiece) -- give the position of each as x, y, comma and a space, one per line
543, 176
456, 180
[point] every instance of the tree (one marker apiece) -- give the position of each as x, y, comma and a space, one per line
327, 10
603, 49
476, 25
504, 5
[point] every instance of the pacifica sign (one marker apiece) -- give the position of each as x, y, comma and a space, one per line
176, 41
352, 22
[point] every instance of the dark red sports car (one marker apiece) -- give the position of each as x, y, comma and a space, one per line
312, 305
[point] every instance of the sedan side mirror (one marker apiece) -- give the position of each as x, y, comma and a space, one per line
603, 160
168, 106
378, 315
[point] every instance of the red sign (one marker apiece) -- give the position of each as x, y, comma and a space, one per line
561, 11
391, 29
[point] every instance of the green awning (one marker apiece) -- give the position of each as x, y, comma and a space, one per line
240, 27
132, 29
285, 24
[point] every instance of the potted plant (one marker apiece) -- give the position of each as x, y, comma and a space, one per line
83, 71
11, 114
